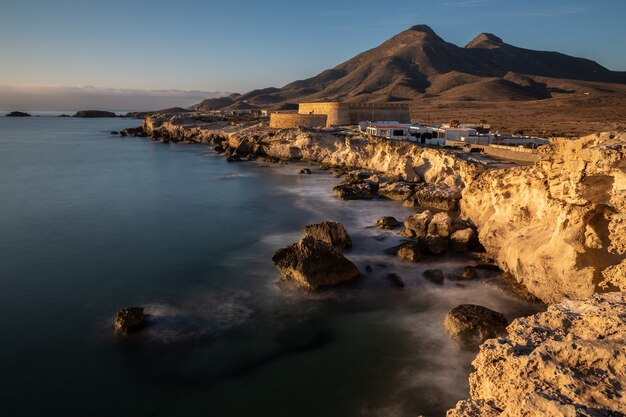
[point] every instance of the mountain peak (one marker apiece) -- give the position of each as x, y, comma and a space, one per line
485, 40
422, 28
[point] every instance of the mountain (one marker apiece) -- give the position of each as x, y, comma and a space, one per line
417, 63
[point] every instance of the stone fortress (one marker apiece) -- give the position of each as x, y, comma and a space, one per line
334, 113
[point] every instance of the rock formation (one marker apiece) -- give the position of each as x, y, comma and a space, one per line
94, 113
129, 319
558, 226
566, 362
388, 222
18, 114
314, 264
332, 233
470, 325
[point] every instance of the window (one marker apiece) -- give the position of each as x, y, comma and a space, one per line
398, 132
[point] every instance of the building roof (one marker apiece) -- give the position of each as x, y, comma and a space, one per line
388, 127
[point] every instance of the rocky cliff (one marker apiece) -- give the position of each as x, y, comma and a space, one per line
558, 226
568, 361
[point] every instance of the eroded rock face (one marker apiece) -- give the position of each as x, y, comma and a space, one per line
440, 196
356, 190
418, 223
397, 190
463, 240
314, 264
332, 233
567, 361
558, 226
440, 225
469, 325
129, 319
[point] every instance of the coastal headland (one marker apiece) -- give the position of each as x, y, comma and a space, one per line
556, 227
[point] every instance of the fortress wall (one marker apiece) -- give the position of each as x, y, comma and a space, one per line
293, 120
337, 113
378, 112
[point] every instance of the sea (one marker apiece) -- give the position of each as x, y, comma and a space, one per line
91, 222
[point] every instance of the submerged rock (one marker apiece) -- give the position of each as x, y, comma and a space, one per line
469, 325
409, 251
388, 222
467, 273
305, 171
314, 264
332, 233
129, 319
568, 361
434, 275
395, 279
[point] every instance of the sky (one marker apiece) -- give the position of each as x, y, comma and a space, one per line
142, 55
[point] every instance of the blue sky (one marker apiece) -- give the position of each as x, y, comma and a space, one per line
241, 45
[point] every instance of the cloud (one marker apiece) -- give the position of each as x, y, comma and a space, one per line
104, 98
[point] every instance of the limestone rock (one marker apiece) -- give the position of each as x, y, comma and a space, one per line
396, 190
438, 196
356, 190
129, 319
418, 223
467, 273
434, 244
440, 225
388, 222
409, 251
557, 226
332, 233
314, 264
469, 325
463, 240
567, 361
434, 275
406, 233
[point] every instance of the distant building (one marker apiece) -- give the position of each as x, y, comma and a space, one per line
339, 114
389, 131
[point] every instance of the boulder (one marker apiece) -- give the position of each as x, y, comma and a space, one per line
388, 222
332, 233
434, 275
418, 223
129, 319
440, 225
356, 190
409, 251
233, 158
467, 273
305, 171
434, 244
396, 190
463, 240
406, 233
314, 264
395, 279
469, 325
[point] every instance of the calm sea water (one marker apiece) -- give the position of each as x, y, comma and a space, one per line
91, 222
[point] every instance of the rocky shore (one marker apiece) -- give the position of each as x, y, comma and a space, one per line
558, 228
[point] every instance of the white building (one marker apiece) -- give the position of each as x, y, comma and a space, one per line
389, 131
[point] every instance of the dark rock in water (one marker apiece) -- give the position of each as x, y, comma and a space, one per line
64, 115
123, 133
388, 222
468, 273
134, 131
434, 275
305, 171
129, 319
94, 113
395, 280
470, 325
233, 158
368, 268
114, 132
219, 148
356, 190
409, 251
332, 233
314, 264
18, 114
434, 244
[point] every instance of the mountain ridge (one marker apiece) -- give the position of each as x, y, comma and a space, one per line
418, 63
